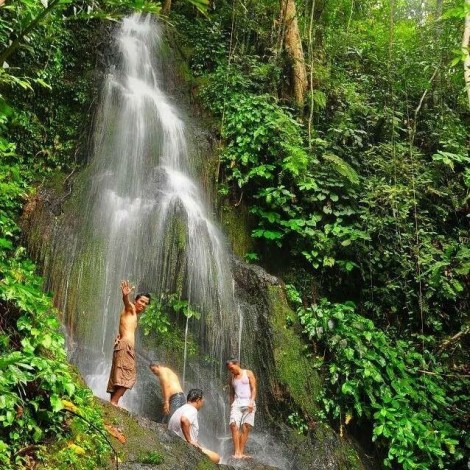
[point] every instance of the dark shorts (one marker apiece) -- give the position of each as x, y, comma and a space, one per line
176, 401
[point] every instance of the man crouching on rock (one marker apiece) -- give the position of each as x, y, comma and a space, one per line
123, 371
185, 424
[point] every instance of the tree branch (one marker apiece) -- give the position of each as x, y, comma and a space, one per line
445, 344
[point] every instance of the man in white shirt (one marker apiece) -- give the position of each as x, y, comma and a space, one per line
184, 422
243, 389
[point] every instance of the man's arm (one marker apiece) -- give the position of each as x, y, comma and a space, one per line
186, 428
231, 390
165, 394
126, 289
253, 388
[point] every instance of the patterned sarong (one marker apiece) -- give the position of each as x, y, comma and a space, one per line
123, 371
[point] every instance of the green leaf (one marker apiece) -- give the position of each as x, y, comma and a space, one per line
342, 167
56, 403
268, 234
46, 341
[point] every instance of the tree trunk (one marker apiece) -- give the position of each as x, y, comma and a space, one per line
293, 44
166, 7
310, 60
465, 50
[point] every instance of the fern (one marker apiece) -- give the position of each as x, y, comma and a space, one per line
342, 167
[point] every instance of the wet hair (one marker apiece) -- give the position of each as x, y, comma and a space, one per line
143, 294
232, 361
194, 394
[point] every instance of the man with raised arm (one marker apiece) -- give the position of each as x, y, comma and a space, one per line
243, 390
185, 424
172, 393
123, 370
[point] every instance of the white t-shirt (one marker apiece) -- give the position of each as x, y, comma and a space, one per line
191, 414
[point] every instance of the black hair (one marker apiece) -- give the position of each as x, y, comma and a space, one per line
143, 294
194, 394
232, 361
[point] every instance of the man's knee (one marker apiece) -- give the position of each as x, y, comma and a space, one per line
233, 425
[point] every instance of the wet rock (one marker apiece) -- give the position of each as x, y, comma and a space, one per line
250, 463
147, 441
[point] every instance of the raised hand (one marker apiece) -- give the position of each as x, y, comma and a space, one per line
126, 288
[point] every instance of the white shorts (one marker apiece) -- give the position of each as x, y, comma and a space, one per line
239, 414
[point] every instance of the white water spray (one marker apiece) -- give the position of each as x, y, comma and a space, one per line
146, 207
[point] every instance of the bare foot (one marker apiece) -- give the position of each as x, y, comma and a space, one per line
244, 456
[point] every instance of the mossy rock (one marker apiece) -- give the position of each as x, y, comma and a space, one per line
288, 382
147, 441
293, 366
150, 445
235, 221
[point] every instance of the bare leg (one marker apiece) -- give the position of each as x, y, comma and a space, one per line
245, 430
236, 440
117, 394
214, 456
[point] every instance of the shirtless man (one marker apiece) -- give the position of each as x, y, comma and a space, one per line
243, 390
123, 370
172, 393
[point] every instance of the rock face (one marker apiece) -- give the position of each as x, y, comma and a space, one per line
150, 445
287, 381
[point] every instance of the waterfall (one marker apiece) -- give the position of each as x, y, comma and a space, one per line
144, 201
145, 215
140, 214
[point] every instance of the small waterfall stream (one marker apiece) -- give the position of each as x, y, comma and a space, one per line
142, 216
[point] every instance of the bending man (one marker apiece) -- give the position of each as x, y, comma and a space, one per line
123, 371
172, 393
242, 385
184, 422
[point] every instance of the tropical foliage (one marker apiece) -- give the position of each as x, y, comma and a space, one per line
388, 382
359, 197
362, 194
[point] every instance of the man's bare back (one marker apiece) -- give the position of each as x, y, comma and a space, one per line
169, 383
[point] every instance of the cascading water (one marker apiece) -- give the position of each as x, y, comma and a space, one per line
145, 213
143, 217
144, 202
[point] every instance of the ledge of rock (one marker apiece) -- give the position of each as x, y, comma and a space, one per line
142, 444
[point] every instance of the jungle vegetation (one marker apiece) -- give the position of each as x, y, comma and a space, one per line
343, 129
